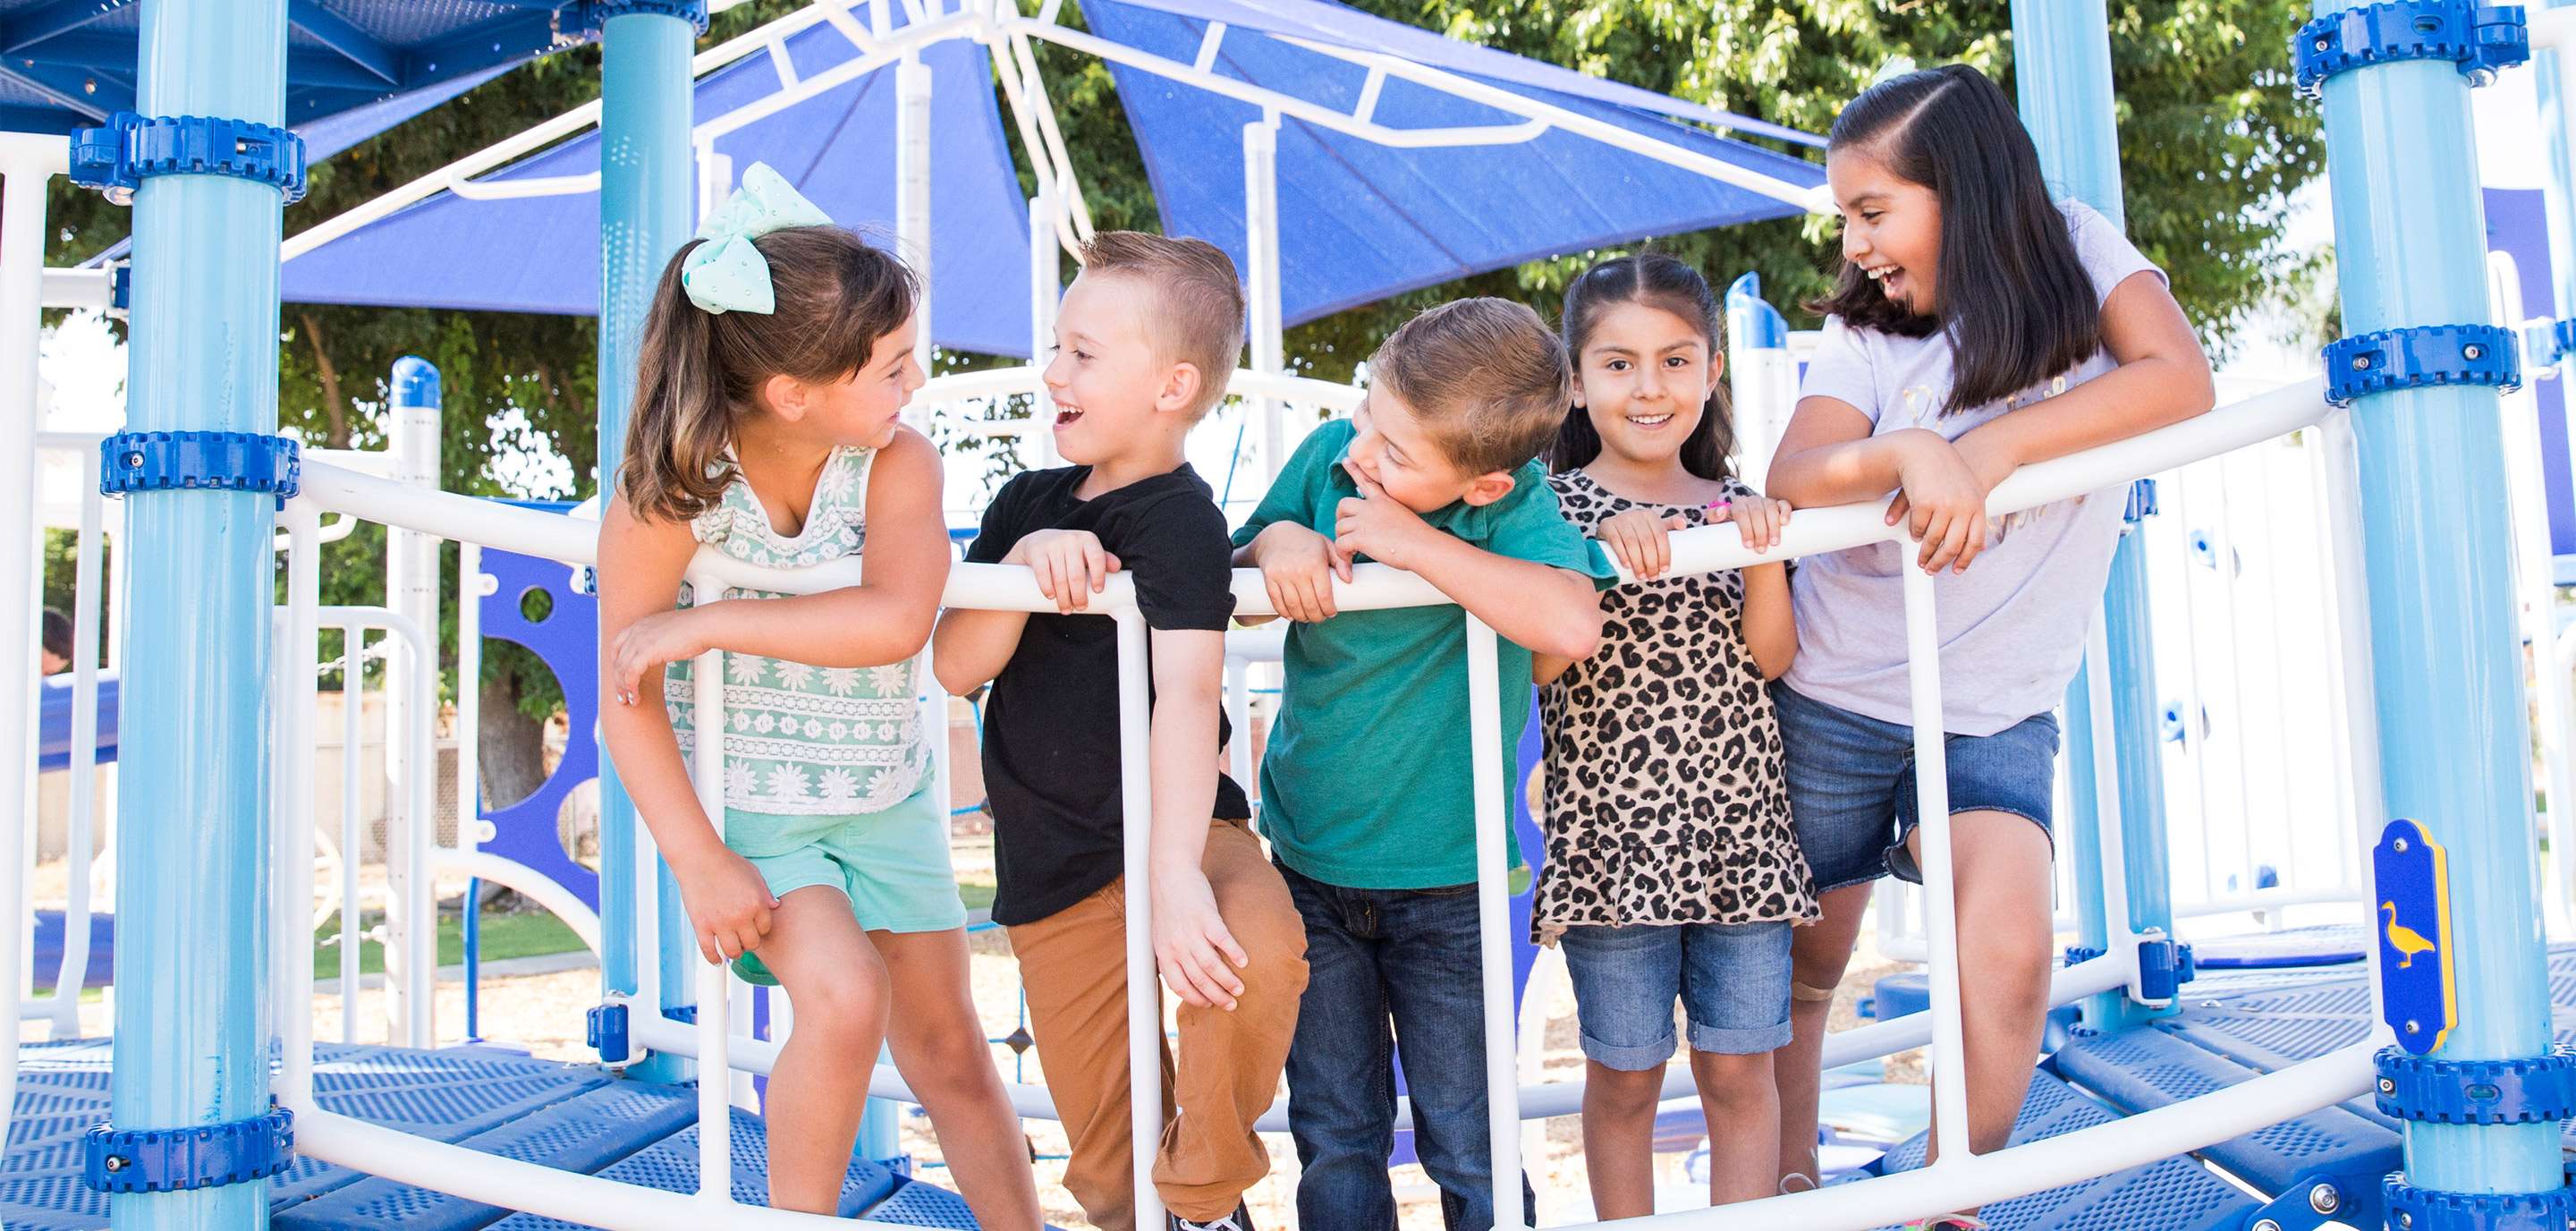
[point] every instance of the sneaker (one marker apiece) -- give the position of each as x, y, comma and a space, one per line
1239, 1220
1948, 1222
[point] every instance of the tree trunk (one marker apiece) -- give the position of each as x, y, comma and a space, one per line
333, 404
513, 747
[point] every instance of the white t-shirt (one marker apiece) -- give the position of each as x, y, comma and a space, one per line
2012, 628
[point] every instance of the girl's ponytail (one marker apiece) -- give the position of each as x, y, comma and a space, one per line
834, 298
681, 425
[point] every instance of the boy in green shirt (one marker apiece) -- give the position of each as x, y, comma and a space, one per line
1367, 789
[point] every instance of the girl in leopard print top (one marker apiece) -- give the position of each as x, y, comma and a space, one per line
1671, 869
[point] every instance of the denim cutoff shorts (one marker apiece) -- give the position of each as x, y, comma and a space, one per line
1851, 784
1732, 980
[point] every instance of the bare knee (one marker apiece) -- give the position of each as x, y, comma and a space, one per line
850, 1009
1734, 1081
1623, 1092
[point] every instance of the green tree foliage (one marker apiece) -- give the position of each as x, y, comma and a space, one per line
2213, 142
2212, 139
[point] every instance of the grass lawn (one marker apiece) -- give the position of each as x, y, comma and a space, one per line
509, 935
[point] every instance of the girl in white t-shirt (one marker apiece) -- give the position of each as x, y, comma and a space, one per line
1978, 325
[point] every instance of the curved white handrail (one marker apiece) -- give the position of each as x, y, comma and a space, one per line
1374, 586
539, 887
1959, 1180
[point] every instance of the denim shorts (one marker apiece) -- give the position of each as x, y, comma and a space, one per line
1732, 980
1851, 784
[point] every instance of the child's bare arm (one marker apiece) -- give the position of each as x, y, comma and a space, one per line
1539, 607
1770, 626
1542, 608
1297, 567
2163, 378
1192, 946
971, 647
640, 566
1544, 668
1827, 456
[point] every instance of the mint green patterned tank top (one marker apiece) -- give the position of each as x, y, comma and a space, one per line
802, 740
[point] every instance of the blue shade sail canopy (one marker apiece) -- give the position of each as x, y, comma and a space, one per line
540, 253
1359, 220
67, 64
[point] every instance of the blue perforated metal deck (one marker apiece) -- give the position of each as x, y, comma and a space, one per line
2176, 1194
573, 1117
2234, 1025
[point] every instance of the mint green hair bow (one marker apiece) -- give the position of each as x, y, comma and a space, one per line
728, 274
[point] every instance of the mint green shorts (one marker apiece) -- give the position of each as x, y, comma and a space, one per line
892, 866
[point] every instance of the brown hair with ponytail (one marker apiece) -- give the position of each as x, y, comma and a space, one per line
701, 371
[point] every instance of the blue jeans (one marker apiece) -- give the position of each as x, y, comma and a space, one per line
1375, 959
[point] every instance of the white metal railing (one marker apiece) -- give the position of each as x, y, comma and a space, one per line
2258, 815
91, 529
1958, 1179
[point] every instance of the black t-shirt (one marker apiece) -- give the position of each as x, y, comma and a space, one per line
1051, 763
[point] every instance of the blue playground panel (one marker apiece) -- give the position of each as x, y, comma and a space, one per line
572, 1117
54, 721
48, 956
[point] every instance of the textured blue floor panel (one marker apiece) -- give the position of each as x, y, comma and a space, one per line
2176, 1194
573, 1117
923, 1205
2141, 1070
671, 1165
585, 1133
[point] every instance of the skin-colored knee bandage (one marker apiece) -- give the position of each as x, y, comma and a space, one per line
1812, 995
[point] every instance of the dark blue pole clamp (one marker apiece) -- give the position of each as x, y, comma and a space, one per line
2412, 358
2537, 1090
2163, 967
164, 1160
606, 1033
2562, 338
2480, 38
221, 461
589, 17
118, 157
2423, 1209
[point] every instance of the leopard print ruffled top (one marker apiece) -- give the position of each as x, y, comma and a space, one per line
1665, 798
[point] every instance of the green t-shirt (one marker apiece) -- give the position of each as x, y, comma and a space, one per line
1367, 782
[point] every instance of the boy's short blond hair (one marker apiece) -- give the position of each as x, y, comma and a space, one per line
1197, 312
1486, 378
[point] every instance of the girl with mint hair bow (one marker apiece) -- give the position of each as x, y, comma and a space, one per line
777, 359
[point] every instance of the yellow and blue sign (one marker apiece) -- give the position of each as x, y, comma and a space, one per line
2409, 876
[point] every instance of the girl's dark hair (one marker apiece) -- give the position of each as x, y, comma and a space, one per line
1657, 281
836, 298
2014, 298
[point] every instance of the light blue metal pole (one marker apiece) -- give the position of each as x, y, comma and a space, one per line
2410, 246
192, 1028
2062, 73
646, 187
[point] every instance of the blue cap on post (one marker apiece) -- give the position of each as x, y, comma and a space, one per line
1751, 320
415, 382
